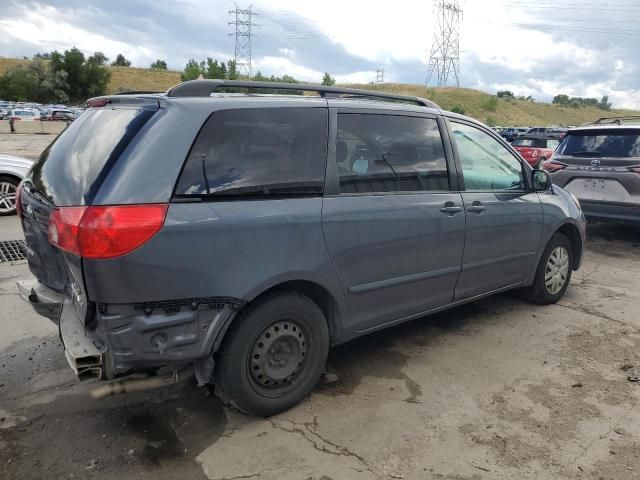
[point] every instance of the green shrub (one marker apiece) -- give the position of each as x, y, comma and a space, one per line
458, 109
491, 121
490, 104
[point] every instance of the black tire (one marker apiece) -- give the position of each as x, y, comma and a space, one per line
269, 338
9, 181
538, 292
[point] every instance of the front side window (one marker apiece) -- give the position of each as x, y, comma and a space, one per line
486, 163
389, 153
258, 152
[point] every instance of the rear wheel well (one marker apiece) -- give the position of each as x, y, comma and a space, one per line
572, 233
320, 296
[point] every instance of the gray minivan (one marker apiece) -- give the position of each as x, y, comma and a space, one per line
240, 236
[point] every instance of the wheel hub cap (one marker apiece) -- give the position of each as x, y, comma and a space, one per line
7, 197
556, 270
278, 354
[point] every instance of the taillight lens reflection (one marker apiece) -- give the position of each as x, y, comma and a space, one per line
105, 232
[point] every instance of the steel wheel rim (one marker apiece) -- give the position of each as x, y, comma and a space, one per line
278, 357
556, 270
7, 197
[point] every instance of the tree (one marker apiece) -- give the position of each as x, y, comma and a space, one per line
605, 104
215, 69
528, 98
328, 80
100, 58
159, 65
191, 71
121, 61
34, 82
506, 95
232, 70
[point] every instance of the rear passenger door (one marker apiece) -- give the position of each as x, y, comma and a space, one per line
504, 216
392, 220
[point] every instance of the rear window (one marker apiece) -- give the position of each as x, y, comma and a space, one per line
265, 152
601, 143
71, 170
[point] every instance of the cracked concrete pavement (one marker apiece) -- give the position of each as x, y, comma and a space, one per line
497, 389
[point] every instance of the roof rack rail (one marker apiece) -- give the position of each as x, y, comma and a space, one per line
138, 92
204, 88
616, 120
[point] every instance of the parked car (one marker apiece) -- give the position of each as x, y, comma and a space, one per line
535, 149
509, 134
600, 164
552, 132
22, 114
242, 236
12, 171
58, 115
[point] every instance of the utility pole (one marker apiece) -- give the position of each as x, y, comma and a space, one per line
242, 20
444, 59
380, 75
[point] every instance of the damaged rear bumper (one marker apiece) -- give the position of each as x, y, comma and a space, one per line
125, 339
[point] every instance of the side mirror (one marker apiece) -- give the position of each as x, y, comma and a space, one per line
541, 180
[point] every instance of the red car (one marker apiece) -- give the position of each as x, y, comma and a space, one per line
535, 149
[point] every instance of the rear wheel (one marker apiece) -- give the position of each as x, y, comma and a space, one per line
273, 354
8, 187
553, 273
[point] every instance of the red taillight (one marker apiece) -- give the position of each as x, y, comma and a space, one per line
553, 166
105, 232
19, 200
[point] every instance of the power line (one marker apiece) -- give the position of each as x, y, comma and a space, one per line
242, 20
444, 58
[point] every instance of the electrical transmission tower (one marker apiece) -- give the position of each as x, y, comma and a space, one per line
242, 20
380, 75
444, 59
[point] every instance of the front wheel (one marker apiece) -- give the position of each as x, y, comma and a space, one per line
553, 273
273, 354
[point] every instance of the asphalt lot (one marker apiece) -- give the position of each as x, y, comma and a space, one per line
498, 389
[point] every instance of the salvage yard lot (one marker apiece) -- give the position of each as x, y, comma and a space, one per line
497, 389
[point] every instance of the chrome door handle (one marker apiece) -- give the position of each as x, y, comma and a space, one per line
476, 207
451, 210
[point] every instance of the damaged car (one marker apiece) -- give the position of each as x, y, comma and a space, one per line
214, 231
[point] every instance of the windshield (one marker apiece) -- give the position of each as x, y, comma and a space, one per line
603, 143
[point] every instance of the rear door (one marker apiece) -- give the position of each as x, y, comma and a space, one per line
392, 218
503, 217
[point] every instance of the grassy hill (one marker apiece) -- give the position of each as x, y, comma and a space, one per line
517, 112
475, 103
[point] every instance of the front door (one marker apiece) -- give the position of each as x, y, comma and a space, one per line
394, 229
504, 217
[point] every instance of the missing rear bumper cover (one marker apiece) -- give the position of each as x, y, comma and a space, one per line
173, 306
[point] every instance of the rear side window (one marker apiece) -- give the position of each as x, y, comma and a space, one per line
262, 152
602, 143
71, 170
389, 153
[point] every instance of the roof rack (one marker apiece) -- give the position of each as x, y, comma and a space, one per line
616, 120
137, 92
204, 88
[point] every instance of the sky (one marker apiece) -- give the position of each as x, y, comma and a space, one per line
539, 48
